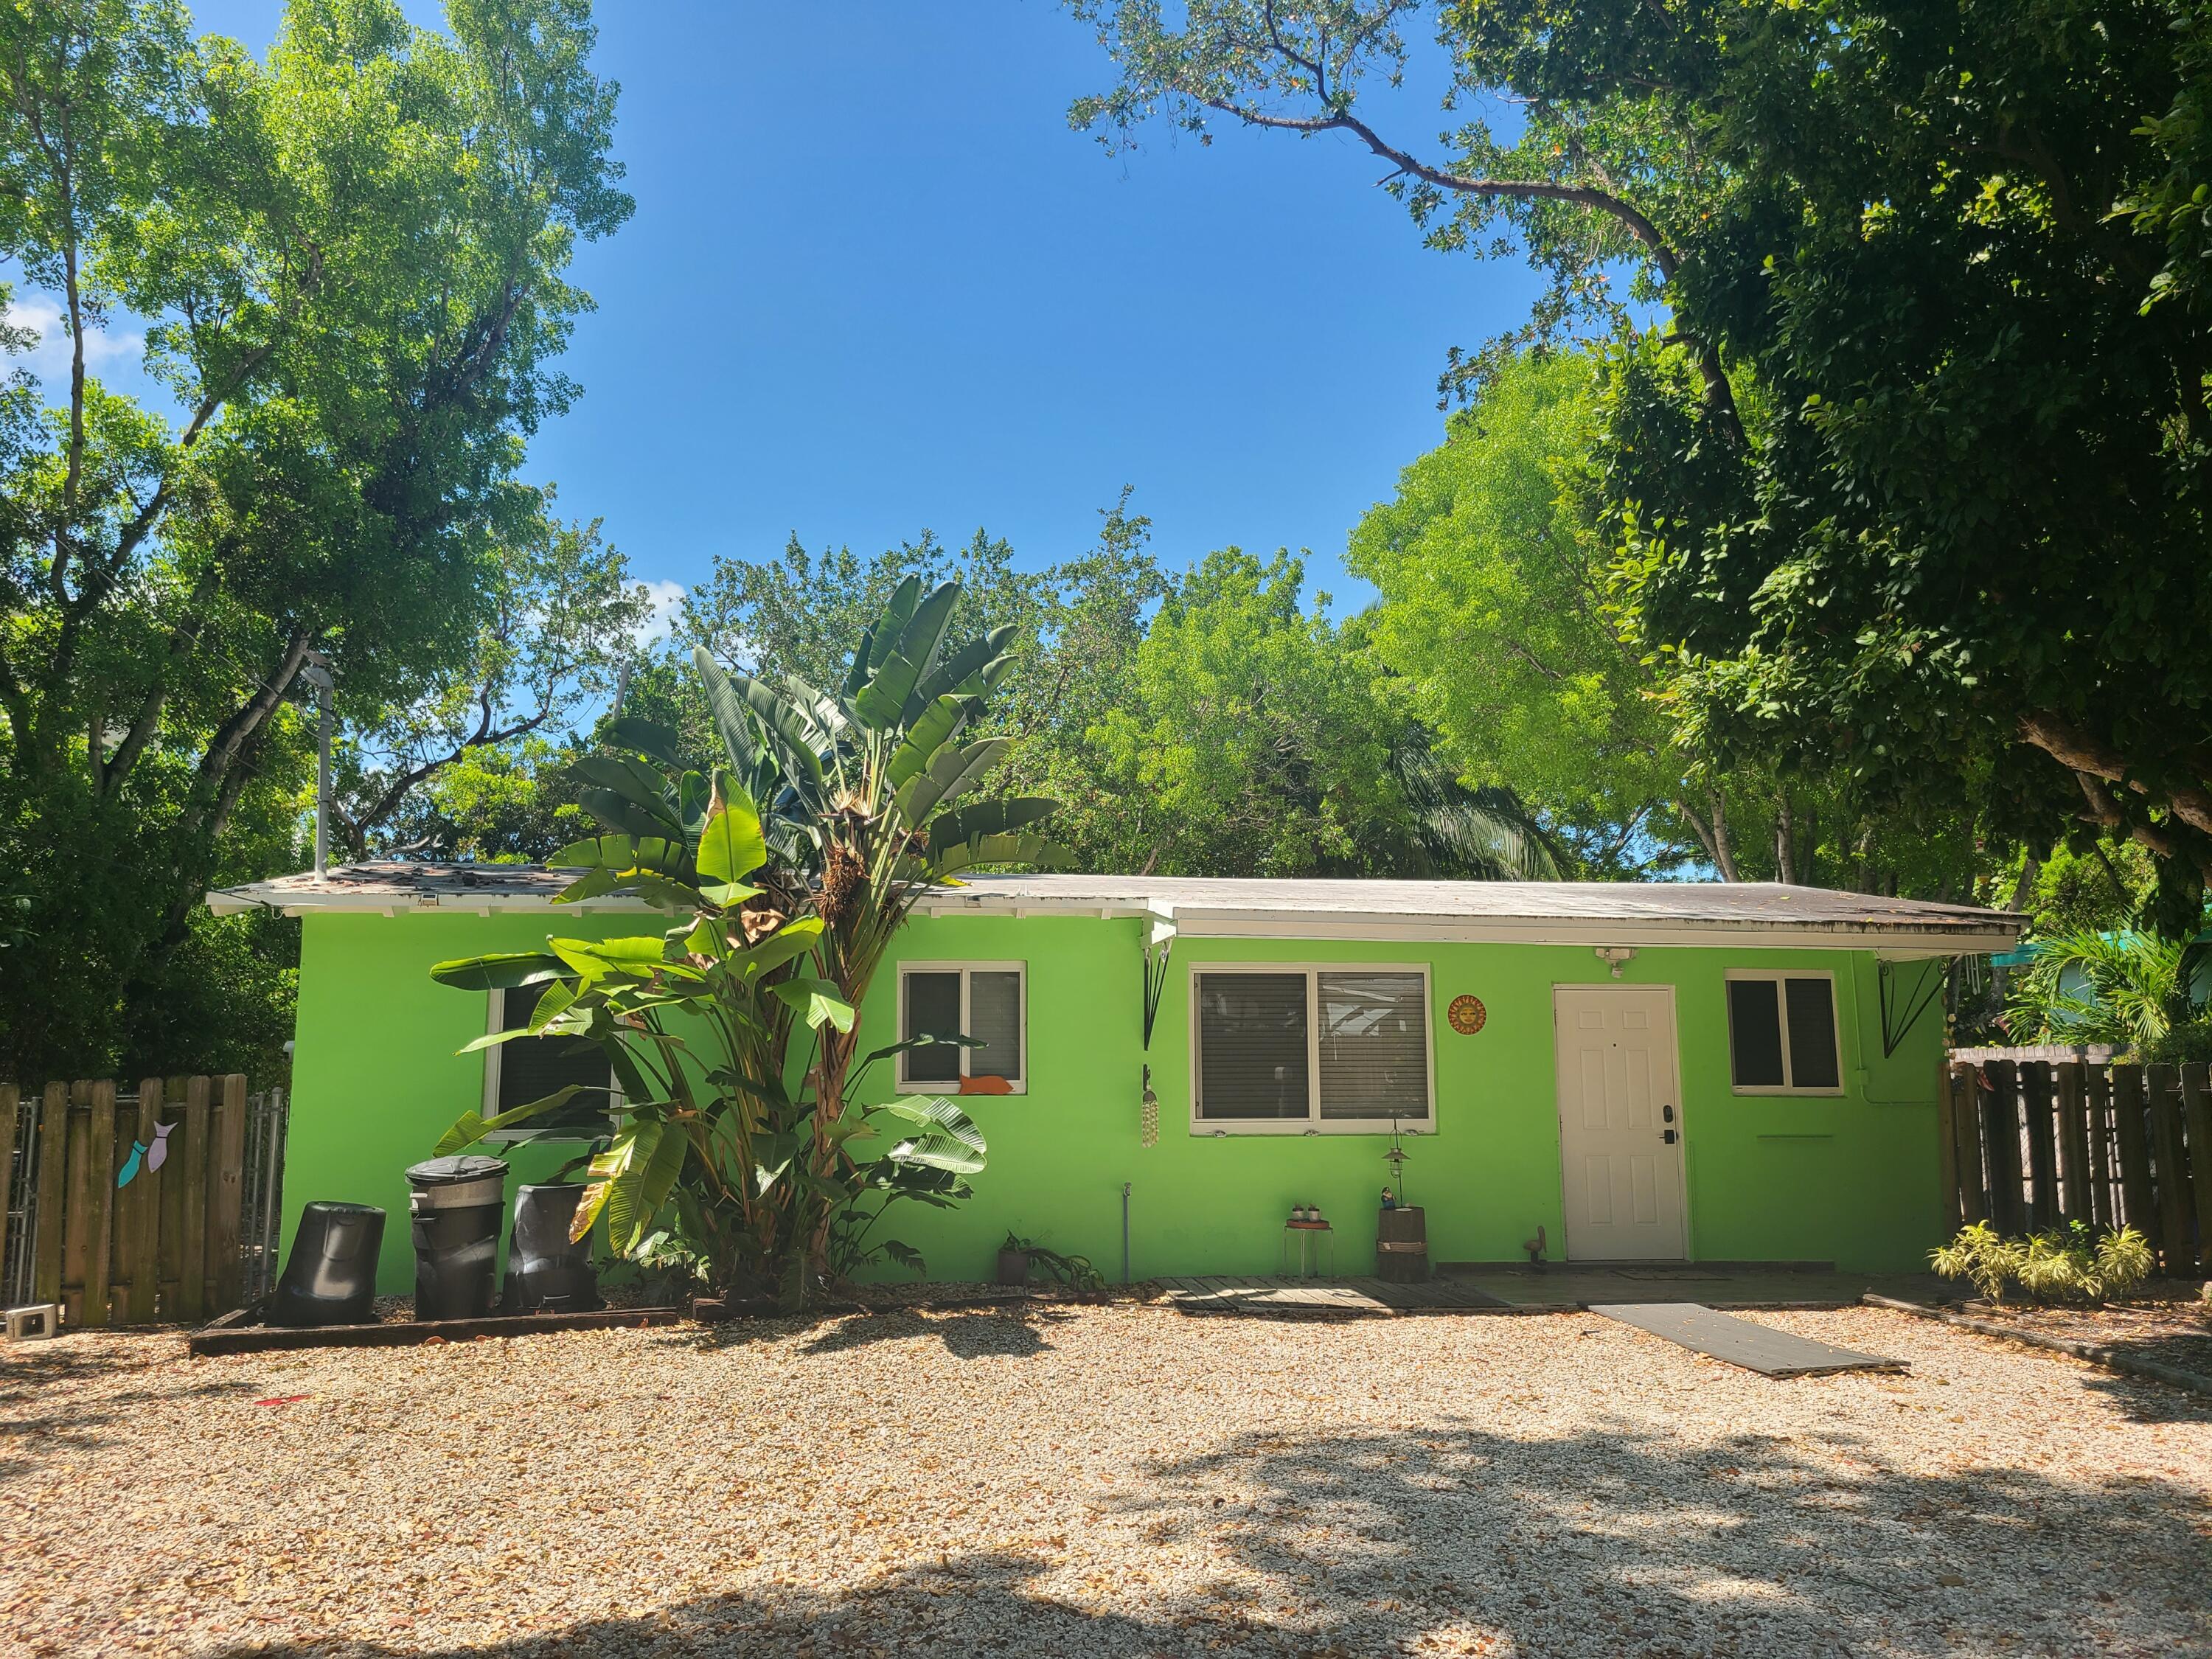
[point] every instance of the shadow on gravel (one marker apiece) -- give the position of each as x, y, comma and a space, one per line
1605, 1543
965, 1335
49, 1380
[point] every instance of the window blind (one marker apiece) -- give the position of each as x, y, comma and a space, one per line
1812, 1008
1374, 1046
1252, 1054
995, 1019
1755, 1034
933, 1009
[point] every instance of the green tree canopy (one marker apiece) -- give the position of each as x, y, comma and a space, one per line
1913, 485
348, 262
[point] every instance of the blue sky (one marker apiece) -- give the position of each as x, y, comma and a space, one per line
874, 284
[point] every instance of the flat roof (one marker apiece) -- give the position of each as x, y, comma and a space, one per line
1758, 913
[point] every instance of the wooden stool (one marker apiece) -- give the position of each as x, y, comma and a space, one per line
1401, 1245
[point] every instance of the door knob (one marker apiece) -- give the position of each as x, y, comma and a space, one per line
1670, 1137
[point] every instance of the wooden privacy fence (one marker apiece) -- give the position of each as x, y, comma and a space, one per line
193, 1238
2033, 1144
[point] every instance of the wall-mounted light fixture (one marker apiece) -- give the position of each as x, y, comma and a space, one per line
1616, 957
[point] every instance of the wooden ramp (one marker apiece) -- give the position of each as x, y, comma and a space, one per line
1324, 1298
1755, 1347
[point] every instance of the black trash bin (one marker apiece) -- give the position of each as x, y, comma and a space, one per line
546, 1273
456, 1206
329, 1278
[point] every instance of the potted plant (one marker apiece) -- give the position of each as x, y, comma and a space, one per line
1014, 1261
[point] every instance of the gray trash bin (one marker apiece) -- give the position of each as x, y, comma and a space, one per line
456, 1207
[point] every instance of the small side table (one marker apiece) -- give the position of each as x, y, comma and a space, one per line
1312, 1237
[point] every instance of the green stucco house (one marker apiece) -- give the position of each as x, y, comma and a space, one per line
1661, 1071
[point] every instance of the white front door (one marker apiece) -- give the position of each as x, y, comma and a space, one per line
1620, 1123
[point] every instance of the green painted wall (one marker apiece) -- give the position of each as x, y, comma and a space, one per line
1851, 1179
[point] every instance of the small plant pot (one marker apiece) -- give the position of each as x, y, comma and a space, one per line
1013, 1268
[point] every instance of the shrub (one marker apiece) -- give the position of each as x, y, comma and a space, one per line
2072, 1263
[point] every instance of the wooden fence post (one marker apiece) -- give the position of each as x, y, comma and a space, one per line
2042, 1150
2097, 1086
2196, 1111
2137, 1198
1967, 1125
1947, 1148
11, 1100
191, 1268
53, 1162
99, 1198
226, 1195
141, 1254
2170, 1182
2073, 1145
2007, 1183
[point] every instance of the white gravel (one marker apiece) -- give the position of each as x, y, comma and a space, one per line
1121, 1481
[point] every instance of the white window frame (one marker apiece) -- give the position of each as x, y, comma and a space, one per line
495, 1022
1313, 1123
1015, 1085
1775, 976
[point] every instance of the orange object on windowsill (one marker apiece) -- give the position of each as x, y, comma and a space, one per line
985, 1086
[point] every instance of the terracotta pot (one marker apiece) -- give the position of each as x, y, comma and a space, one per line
1013, 1266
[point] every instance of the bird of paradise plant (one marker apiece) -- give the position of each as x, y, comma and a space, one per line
786, 871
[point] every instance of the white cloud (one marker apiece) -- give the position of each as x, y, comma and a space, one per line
50, 358
668, 601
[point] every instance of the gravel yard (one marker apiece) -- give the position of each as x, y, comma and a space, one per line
1117, 1480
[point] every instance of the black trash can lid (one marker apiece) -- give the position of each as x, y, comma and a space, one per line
452, 1171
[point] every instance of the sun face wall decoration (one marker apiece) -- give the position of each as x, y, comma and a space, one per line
1467, 1015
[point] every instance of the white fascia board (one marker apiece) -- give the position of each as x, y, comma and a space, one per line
1900, 944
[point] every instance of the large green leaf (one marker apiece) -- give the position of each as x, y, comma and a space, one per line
695, 796
922, 642
662, 1170
949, 1139
987, 817
1023, 851
647, 737
792, 939
950, 775
898, 610
731, 847
661, 890
623, 1167
502, 970
925, 737
631, 779
655, 851
729, 696
856, 672
819, 710
953, 671
469, 1127
881, 703
595, 958
618, 813
816, 1000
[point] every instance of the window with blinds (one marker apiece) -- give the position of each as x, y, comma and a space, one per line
1307, 1049
531, 1068
1782, 1034
1374, 1045
982, 1002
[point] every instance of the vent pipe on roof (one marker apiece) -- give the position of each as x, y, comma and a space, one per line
317, 673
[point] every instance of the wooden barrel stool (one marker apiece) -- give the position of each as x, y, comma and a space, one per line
1401, 1245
